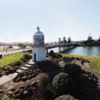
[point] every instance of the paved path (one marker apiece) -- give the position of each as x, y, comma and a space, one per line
7, 78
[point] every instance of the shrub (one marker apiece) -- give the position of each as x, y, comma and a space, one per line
76, 73
42, 80
16, 63
23, 60
61, 82
26, 57
65, 97
73, 69
52, 54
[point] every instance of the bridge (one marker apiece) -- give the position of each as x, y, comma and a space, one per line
53, 45
66, 46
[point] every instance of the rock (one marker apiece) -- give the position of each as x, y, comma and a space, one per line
19, 70
24, 78
23, 68
61, 64
27, 65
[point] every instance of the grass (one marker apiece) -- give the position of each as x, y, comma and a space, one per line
4, 97
94, 61
10, 58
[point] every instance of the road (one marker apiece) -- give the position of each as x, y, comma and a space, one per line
4, 53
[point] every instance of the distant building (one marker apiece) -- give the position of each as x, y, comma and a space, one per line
38, 52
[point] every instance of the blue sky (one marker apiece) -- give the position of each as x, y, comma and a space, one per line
56, 18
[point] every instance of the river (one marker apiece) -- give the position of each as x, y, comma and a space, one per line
85, 51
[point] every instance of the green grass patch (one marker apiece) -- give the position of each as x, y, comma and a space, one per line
10, 58
4, 97
94, 61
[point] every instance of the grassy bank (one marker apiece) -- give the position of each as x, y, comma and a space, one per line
94, 61
10, 58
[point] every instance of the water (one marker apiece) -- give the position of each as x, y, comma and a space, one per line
85, 51
94, 51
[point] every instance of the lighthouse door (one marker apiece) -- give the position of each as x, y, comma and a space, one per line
34, 57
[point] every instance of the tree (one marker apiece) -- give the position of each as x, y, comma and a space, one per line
69, 40
64, 39
65, 97
99, 39
22, 46
59, 41
90, 38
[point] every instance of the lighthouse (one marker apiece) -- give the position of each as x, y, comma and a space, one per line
38, 51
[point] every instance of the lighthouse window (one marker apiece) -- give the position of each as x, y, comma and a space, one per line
34, 57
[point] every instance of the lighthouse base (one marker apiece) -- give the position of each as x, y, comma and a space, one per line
38, 54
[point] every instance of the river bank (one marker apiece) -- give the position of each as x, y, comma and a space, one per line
94, 61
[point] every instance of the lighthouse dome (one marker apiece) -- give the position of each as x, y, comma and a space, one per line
38, 32
38, 38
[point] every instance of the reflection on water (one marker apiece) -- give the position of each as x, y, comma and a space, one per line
85, 51
95, 50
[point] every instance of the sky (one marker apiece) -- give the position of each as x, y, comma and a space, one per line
56, 18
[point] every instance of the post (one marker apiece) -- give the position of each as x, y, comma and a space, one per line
59, 49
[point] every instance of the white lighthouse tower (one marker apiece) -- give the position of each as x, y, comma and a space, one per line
38, 52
